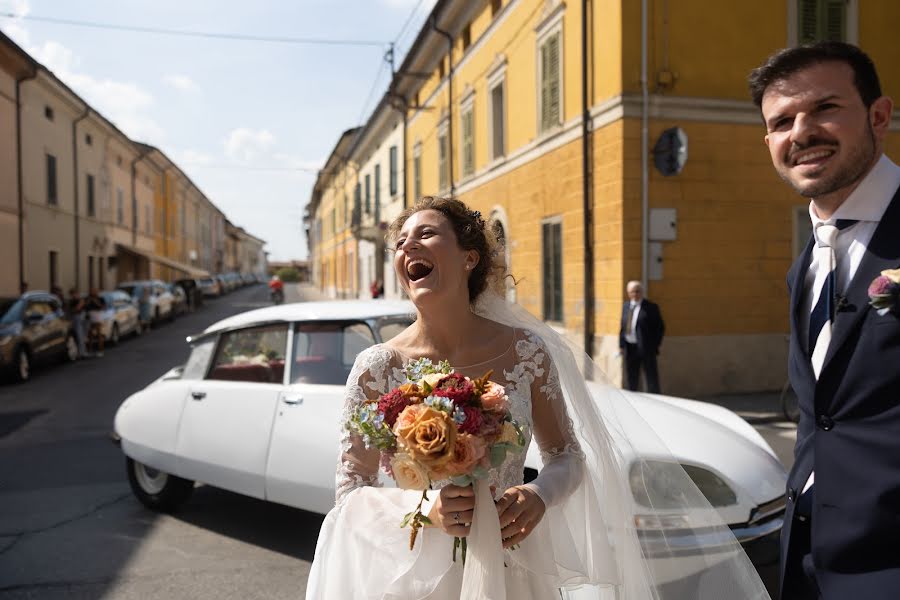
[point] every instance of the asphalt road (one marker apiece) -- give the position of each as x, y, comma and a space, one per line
70, 528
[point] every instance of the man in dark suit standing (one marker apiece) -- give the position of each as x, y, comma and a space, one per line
826, 120
640, 335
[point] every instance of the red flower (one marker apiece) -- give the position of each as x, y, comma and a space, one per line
456, 387
474, 420
492, 424
392, 404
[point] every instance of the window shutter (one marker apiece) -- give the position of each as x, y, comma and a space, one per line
545, 86
554, 90
468, 158
835, 20
808, 26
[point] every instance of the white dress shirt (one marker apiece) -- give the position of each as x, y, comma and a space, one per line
631, 338
866, 204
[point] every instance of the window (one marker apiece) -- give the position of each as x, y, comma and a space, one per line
551, 259
388, 329
802, 229
441, 69
417, 172
52, 197
54, 268
120, 206
377, 194
254, 354
148, 219
550, 82
466, 37
822, 20
91, 195
357, 202
498, 121
88, 139
48, 112
467, 125
324, 352
496, 5
368, 194
443, 162
393, 171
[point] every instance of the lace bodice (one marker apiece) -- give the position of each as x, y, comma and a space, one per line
531, 383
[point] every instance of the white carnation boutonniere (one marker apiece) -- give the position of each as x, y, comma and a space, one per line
884, 292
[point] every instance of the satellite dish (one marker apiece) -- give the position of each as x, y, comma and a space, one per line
671, 151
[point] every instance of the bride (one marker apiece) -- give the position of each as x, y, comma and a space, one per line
573, 525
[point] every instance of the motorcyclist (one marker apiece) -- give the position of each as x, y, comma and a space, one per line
276, 287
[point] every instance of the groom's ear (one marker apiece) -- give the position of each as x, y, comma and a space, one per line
766, 139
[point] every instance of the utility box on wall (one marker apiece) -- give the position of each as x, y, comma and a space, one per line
663, 224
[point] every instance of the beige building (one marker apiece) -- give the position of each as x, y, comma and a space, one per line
15, 67
82, 205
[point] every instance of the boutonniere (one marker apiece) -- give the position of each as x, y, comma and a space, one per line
884, 292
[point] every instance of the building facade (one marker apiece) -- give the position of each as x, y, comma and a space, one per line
550, 118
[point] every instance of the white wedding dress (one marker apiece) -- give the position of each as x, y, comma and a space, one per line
587, 536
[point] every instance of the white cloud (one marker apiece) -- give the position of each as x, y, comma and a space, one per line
244, 144
181, 82
297, 162
190, 157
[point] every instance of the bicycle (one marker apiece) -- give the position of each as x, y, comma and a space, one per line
790, 404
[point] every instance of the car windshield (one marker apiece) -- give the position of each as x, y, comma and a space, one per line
132, 290
10, 310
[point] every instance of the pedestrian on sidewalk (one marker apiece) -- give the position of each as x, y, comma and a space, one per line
640, 335
76, 314
95, 305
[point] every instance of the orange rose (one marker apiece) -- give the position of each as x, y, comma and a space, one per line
467, 451
410, 391
427, 434
494, 397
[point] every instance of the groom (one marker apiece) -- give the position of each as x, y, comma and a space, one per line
826, 121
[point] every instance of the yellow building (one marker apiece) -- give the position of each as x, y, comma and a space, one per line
496, 106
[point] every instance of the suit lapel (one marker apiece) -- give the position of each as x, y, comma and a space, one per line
883, 252
797, 277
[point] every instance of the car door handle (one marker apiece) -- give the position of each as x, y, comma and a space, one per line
198, 395
292, 399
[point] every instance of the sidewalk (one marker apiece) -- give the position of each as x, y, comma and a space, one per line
302, 292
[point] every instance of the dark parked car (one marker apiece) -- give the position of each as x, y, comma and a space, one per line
179, 299
33, 328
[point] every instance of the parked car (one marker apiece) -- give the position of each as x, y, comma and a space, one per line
120, 317
210, 287
161, 299
249, 279
179, 299
33, 328
261, 388
224, 283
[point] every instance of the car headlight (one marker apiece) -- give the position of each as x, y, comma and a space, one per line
660, 485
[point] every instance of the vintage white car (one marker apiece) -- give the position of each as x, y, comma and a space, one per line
256, 408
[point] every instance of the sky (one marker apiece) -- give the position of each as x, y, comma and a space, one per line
248, 121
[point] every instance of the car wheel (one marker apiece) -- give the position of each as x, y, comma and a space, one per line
71, 354
114, 336
138, 328
22, 365
156, 489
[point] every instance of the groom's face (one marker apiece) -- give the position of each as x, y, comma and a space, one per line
819, 131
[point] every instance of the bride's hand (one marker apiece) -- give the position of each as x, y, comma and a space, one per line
453, 510
520, 510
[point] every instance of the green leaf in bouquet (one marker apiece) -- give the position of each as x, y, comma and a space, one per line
461, 480
425, 520
498, 455
407, 518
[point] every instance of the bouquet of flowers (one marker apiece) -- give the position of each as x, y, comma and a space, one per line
438, 426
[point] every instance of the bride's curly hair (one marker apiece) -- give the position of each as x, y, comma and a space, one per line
472, 233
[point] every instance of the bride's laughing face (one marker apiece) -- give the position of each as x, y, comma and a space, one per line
428, 259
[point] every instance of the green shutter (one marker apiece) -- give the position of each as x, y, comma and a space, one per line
550, 88
468, 144
835, 22
442, 162
808, 13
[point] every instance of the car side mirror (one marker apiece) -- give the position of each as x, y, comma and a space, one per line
32, 318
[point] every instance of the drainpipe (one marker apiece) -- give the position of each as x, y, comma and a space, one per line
587, 192
645, 154
449, 98
77, 215
19, 174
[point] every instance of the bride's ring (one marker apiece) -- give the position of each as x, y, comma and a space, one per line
456, 518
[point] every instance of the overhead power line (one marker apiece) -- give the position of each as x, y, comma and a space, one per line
200, 34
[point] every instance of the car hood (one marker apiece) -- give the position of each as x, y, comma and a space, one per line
707, 435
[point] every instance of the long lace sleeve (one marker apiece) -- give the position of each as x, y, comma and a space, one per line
358, 465
555, 435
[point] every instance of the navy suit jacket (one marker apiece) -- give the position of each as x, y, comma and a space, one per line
849, 432
649, 330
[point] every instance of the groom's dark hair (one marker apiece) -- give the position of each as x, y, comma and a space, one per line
785, 63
